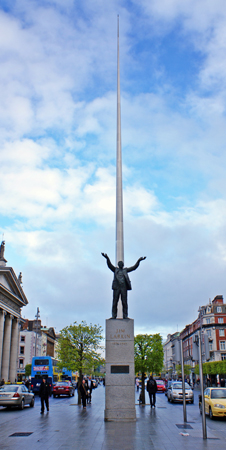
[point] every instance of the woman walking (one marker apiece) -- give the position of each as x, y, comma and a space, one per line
83, 393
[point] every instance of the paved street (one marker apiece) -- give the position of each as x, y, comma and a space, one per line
68, 426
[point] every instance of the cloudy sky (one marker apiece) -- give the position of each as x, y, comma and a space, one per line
58, 75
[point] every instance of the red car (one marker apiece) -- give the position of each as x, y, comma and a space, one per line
161, 387
63, 388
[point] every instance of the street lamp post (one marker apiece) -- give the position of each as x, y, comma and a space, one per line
201, 377
36, 328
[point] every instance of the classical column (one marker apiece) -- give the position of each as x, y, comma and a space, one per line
6, 347
14, 350
2, 322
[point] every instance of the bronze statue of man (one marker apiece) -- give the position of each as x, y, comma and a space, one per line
121, 284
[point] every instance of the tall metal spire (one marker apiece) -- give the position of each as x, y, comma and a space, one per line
119, 196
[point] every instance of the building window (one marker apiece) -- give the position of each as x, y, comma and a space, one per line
223, 356
209, 333
210, 346
22, 338
21, 363
220, 320
219, 309
208, 320
22, 350
222, 345
221, 332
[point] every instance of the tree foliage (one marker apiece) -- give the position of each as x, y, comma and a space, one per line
212, 368
27, 370
148, 353
187, 369
79, 346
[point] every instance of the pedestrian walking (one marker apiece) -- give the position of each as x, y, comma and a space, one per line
82, 389
152, 389
89, 388
44, 393
137, 384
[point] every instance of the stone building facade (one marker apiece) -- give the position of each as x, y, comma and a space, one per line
12, 299
34, 340
212, 321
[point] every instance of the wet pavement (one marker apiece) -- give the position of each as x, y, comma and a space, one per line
68, 426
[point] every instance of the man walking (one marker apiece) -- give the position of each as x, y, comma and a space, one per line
89, 388
44, 393
152, 389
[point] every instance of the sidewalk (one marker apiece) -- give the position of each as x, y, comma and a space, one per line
68, 426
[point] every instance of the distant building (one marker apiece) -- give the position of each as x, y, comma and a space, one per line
212, 320
170, 354
35, 340
12, 299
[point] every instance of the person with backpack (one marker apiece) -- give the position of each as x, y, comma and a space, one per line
152, 389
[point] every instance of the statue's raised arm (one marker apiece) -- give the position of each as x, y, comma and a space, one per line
110, 265
130, 269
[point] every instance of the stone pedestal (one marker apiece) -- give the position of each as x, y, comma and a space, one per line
120, 376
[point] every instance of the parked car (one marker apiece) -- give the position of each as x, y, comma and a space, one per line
63, 388
175, 392
16, 395
215, 402
161, 387
169, 382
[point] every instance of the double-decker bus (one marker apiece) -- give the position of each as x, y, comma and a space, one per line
43, 367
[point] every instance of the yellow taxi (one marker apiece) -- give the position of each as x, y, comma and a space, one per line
215, 402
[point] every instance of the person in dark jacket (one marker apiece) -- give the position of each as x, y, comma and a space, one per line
152, 389
89, 388
44, 394
82, 389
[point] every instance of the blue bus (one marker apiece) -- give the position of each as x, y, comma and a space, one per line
43, 367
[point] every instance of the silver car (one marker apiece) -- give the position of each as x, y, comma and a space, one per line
16, 395
175, 392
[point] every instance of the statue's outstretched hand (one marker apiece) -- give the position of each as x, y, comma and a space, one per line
104, 255
142, 258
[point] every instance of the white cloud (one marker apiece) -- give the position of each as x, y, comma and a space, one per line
57, 157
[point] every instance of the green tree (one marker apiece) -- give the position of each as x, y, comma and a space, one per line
212, 368
187, 369
148, 353
78, 349
27, 370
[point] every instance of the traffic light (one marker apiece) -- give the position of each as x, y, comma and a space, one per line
177, 348
195, 347
206, 347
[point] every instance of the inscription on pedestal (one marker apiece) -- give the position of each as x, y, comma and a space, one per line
120, 334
